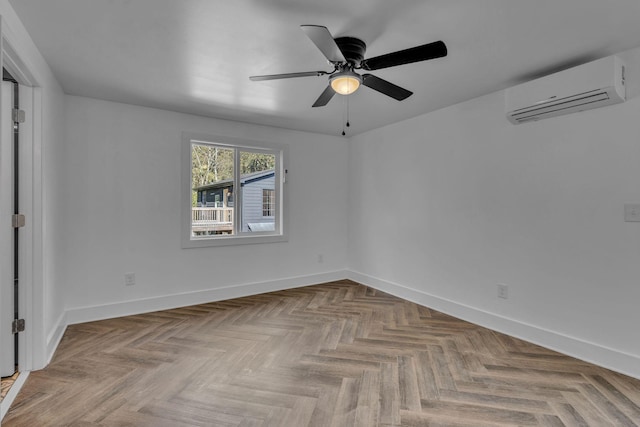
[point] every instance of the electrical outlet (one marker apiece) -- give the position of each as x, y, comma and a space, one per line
503, 291
631, 213
129, 279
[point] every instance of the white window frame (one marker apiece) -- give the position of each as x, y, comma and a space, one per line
241, 238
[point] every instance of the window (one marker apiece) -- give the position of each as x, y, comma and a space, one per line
268, 201
233, 191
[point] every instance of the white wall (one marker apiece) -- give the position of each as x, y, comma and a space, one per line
45, 288
122, 214
445, 206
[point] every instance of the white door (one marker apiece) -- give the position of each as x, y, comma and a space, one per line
7, 340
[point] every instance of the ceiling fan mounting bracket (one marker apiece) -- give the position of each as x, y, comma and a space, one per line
353, 49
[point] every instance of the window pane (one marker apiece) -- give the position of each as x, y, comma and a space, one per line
211, 190
257, 175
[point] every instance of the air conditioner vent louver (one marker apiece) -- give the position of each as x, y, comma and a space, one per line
585, 87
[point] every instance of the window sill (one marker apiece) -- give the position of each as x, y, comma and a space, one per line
233, 240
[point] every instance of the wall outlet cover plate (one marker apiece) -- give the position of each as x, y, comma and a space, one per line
631, 213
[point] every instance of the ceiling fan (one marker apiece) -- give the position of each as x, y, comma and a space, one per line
346, 54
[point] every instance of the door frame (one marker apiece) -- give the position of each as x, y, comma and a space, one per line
31, 342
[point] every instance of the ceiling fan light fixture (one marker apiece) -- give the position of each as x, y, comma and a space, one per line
345, 82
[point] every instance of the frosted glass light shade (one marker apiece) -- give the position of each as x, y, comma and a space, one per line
346, 82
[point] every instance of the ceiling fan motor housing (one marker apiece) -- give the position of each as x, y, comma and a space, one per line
352, 49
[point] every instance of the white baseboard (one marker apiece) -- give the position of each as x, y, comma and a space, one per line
147, 305
13, 392
54, 337
615, 360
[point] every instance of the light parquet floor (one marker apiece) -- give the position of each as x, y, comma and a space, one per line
334, 355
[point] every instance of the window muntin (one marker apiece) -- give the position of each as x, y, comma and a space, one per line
227, 183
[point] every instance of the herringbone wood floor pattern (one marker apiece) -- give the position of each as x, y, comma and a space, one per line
338, 354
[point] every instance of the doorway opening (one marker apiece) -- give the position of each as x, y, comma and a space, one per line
10, 322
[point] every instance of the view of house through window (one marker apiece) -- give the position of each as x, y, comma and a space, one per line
233, 190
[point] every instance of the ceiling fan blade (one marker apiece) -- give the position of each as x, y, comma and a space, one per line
322, 38
287, 75
419, 53
383, 86
324, 97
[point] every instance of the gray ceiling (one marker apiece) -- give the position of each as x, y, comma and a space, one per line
195, 56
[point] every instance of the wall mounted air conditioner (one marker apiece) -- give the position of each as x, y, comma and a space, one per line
592, 85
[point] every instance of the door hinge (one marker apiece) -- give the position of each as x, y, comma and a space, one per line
18, 220
17, 326
19, 116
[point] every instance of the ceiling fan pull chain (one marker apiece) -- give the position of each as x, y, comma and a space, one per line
348, 124
344, 113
